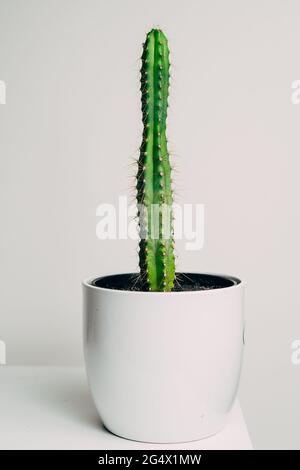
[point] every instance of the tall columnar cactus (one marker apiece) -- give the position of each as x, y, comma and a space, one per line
154, 191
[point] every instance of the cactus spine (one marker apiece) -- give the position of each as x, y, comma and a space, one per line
154, 192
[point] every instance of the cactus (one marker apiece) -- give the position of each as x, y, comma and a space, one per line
154, 192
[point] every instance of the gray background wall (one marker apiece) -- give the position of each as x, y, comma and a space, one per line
71, 127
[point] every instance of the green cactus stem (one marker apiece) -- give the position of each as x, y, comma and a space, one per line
154, 191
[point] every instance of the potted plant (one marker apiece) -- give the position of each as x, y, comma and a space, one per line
163, 360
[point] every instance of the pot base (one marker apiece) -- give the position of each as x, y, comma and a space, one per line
180, 439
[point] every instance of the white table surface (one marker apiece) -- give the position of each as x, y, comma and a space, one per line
51, 408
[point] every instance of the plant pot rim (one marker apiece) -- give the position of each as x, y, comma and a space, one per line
237, 284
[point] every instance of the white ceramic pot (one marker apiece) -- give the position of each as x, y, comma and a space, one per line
163, 367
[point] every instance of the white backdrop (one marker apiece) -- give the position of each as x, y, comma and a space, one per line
70, 129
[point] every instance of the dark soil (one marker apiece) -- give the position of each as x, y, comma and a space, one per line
184, 282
